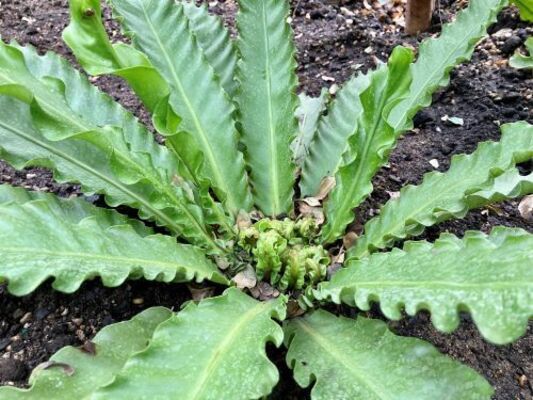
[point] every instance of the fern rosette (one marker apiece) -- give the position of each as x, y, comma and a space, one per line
218, 202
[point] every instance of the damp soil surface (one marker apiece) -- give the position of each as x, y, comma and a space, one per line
335, 39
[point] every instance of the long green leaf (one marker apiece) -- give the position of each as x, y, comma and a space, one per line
489, 276
331, 139
85, 137
267, 100
370, 145
73, 210
443, 196
213, 350
88, 39
363, 360
161, 30
438, 56
308, 114
39, 240
75, 374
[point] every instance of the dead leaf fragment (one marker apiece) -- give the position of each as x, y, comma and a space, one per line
199, 293
308, 211
264, 291
312, 201
89, 347
434, 163
67, 369
453, 120
243, 220
222, 263
326, 186
246, 278
393, 195
525, 208
349, 239
293, 309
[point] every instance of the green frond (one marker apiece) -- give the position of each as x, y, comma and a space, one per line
488, 276
230, 330
267, 101
205, 141
73, 373
330, 142
40, 239
489, 171
370, 144
363, 360
72, 128
521, 61
438, 56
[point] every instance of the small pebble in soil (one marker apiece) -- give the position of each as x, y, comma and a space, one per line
511, 44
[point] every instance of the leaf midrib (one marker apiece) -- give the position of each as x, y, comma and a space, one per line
91, 171
359, 374
76, 256
395, 128
391, 231
276, 208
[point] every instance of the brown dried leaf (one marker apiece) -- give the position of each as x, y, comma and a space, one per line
312, 201
264, 291
326, 186
89, 347
243, 220
349, 239
246, 278
222, 263
315, 212
200, 293
293, 309
67, 369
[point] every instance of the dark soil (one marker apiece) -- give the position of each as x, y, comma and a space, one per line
332, 44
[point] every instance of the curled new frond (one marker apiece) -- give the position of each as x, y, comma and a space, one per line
285, 253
